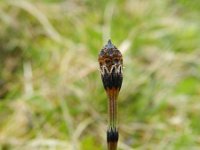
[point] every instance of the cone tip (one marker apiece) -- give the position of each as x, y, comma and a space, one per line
109, 44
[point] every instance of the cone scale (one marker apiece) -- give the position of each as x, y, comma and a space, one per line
111, 65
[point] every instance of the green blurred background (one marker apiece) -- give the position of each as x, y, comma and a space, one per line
51, 95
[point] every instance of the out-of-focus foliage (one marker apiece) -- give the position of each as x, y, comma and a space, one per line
51, 95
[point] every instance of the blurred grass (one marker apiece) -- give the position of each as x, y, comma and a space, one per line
51, 95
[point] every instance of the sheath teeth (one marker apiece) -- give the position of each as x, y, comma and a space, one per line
117, 69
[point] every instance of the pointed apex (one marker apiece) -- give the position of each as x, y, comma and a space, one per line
109, 44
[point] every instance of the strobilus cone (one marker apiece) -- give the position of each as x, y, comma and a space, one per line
111, 65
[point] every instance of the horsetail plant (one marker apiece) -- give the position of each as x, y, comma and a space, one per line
111, 65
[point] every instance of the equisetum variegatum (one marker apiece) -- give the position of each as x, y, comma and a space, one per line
111, 69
